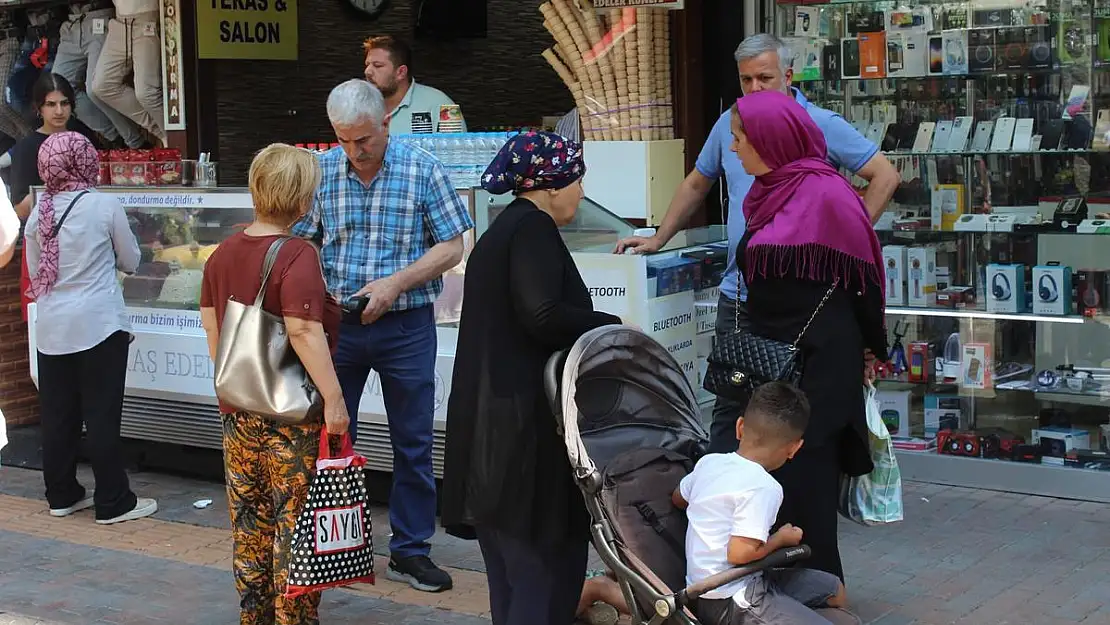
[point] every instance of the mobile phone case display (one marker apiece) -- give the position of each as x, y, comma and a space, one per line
128, 75
617, 65
1007, 360
1000, 106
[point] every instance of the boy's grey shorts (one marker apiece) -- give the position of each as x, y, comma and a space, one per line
778, 597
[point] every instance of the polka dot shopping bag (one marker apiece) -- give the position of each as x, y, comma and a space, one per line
333, 543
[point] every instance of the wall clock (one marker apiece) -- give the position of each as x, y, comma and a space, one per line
370, 9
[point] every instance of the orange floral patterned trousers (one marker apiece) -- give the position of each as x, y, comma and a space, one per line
268, 467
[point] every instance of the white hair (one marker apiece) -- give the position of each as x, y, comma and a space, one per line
761, 44
354, 102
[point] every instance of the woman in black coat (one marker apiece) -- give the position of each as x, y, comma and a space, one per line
507, 480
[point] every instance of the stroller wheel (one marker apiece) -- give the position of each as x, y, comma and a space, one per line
601, 614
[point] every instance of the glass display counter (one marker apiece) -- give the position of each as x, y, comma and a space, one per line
170, 397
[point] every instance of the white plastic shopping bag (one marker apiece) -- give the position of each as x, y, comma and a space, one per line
875, 498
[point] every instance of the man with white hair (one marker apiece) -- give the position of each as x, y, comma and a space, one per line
764, 62
389, 223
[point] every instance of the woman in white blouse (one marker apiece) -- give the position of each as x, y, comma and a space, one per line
9, 231
76, 240
9, 227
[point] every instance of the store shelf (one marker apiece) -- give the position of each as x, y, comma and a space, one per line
25, 4
1013, 477
967, 153
964, 313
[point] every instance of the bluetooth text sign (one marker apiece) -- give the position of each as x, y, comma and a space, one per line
339, 529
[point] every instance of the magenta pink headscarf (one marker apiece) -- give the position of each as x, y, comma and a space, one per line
805, 217
67, 162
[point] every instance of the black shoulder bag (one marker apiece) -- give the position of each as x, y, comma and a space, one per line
742, 361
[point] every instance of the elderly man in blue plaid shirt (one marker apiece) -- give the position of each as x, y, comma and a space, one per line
389, 222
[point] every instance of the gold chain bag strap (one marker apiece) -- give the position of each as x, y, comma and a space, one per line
742, 361
257, 369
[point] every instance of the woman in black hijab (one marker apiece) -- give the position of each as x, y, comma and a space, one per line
507, 480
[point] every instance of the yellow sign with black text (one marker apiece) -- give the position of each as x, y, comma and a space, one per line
247, 29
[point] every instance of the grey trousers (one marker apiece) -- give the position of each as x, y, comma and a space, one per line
11, 122
732, 315
79, 47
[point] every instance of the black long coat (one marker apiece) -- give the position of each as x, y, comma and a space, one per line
506, 467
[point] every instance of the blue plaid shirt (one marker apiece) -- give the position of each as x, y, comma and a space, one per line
369, 232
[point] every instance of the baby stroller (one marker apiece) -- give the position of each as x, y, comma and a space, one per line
632, 430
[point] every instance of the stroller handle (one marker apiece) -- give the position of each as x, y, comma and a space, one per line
776, 559
551, 374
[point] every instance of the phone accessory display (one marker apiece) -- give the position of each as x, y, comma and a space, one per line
947, 365
1052, 290
961, 133
1000, 287
981, 142
919, 362
897, 356
922, 276
981, 44
1089, 292
1006, 288
1047, 289
894, 259
872, 54
941, 136
936, 55
1003, 134
954, 61
975, 366
1023, 135
849, 58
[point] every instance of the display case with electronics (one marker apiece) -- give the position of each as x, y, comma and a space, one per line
997, 261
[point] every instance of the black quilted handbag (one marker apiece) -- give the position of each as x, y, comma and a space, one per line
742, 361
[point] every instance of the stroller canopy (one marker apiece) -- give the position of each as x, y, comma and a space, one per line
620, 389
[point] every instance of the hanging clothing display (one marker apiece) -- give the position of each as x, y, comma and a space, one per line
133, 46
81, 40
36, 55
12, 123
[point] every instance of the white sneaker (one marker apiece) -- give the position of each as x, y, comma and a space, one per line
143, 508
83, 504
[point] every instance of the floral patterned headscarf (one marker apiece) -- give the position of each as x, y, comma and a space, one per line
533, 161
67, 162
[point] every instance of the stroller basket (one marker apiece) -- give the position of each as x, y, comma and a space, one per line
632, 428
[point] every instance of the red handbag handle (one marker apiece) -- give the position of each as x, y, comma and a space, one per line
346, 448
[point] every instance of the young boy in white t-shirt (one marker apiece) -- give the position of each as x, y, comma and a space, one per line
731, 501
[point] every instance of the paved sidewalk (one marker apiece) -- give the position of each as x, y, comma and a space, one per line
964, 557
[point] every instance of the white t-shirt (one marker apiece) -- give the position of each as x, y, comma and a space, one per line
728, 495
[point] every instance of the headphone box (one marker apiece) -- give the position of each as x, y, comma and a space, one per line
1006, 288
1052, 290
894, 263
1056, 442
921, 276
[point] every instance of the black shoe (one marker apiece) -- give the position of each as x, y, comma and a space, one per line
419, 572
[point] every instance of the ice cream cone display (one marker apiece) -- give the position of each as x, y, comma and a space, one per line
645, 62
617, 52
616, 65
664, 115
